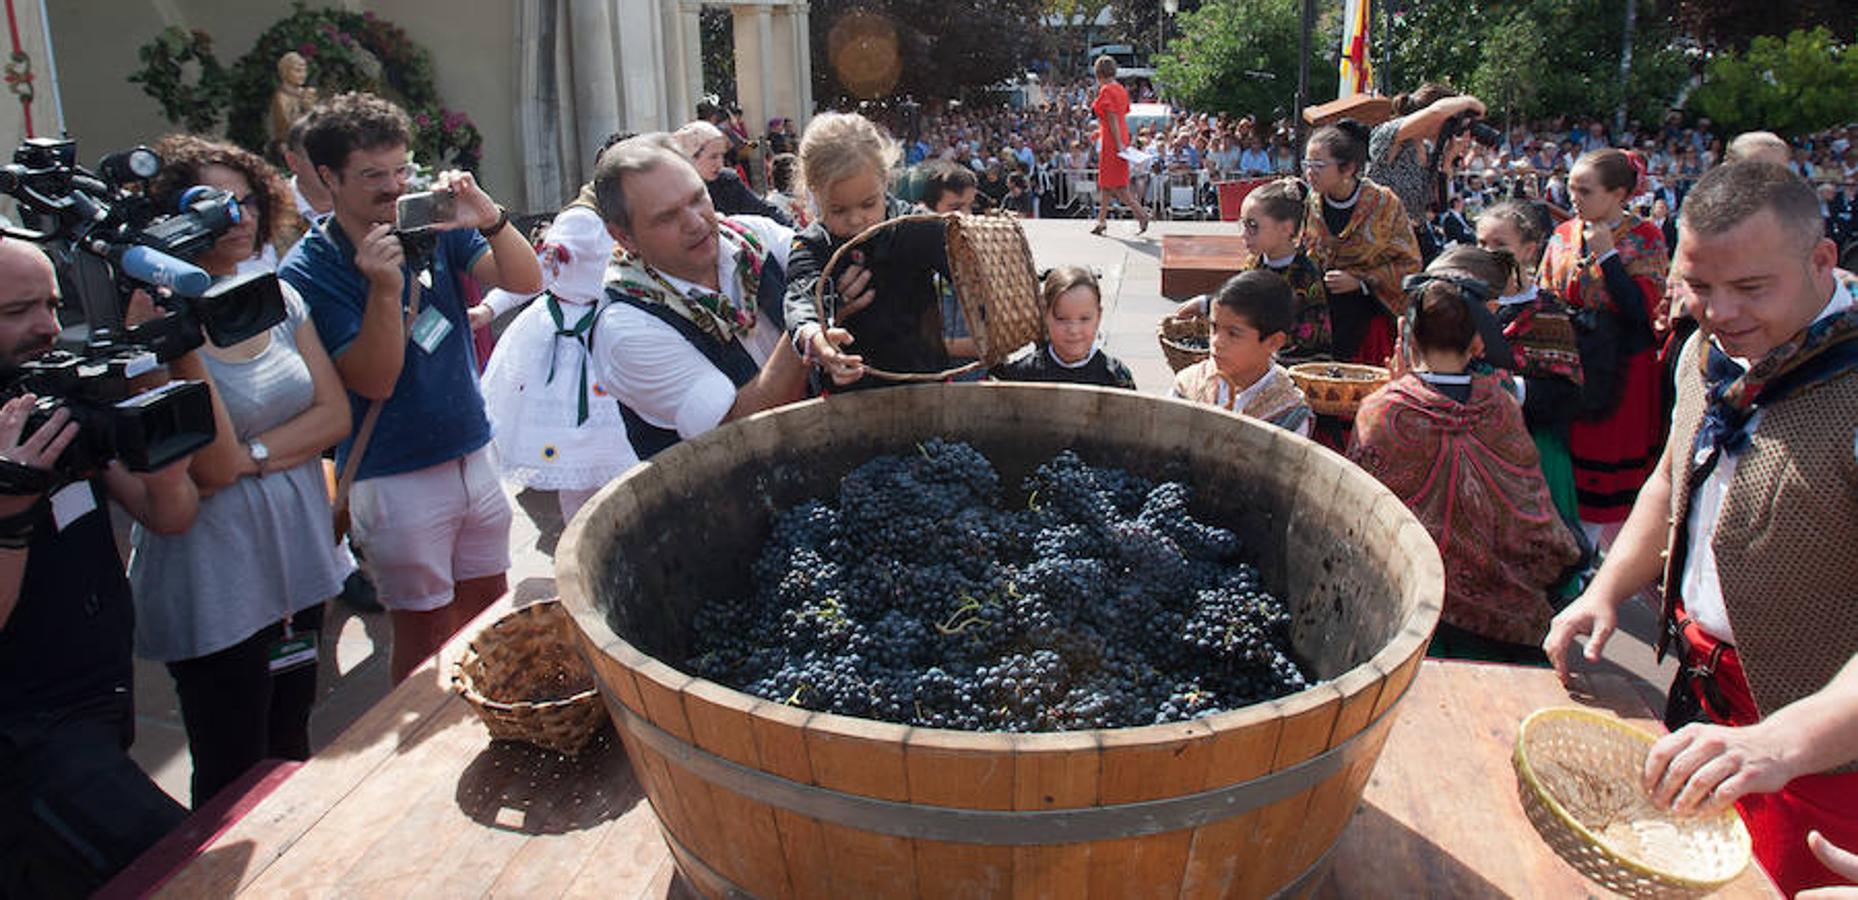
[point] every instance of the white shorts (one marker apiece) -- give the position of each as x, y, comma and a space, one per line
426, 530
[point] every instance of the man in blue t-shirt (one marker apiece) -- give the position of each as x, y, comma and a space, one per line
426, 504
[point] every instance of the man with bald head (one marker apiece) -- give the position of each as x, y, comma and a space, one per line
74, 808
1758, 146
1749, 520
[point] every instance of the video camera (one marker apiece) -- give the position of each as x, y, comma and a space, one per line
108, 238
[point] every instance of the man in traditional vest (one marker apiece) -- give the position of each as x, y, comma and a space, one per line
1750, 518
691, 335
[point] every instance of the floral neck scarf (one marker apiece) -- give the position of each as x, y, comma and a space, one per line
711, 311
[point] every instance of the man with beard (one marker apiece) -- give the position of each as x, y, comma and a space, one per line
427, 504
74, 808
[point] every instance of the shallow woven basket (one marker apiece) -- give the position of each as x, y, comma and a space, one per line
1578, 773
1174, 332
528, 683
991, 265
1337, 389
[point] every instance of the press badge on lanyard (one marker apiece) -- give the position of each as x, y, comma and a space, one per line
293, 651
430, 329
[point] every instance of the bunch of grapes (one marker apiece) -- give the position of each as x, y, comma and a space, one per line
918, 598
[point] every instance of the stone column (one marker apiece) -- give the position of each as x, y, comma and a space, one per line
693, 62
764, 51
596, 89
537, 112
803, 63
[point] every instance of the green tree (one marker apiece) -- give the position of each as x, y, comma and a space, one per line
1532, 58
1240, 57
1733, 24
1793, 85
717, 38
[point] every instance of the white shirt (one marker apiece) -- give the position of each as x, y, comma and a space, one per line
1702, 585
653, 370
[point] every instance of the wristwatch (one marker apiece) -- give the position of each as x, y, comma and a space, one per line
503, 220
260, 454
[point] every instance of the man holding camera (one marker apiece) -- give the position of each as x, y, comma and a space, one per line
427, 503
74, 808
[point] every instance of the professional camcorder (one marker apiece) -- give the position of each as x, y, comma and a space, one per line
108, 238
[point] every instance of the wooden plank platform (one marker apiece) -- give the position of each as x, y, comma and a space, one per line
1193, 264
415, 801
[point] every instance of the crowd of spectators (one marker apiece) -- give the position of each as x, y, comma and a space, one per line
1050, 141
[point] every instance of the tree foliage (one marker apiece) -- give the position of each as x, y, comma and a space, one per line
1733, 24
1794, 85
924, 48
1532, 58
1240, 57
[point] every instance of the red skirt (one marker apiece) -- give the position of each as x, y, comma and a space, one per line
1614, 454
1377, 342
1778, 822
1112, 170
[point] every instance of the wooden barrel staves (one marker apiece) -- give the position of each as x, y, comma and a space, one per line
762, 799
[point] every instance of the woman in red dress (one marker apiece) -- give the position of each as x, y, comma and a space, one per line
1111, 106
1612, 263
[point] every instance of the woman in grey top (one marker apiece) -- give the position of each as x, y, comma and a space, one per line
233, 605
1400, 149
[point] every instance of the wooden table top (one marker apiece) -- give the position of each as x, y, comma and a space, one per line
414, 800
1193, 264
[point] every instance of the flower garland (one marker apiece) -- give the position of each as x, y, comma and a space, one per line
163, 76
350, 51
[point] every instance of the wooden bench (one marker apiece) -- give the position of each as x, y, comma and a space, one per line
414, 799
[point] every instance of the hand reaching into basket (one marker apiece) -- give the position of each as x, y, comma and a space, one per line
1842, 862
855, 293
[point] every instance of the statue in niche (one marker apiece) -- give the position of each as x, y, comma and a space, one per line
293, 98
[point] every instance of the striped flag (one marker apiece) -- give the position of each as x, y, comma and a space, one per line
1357, 68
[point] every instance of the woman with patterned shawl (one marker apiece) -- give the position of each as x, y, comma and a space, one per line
1452, 445
1613, 263
1357, 232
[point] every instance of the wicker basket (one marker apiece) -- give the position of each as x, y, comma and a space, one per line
991, 265
1183, 340
1578, 774
1337, 389
528, 683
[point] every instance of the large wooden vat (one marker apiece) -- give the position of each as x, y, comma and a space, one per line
767, 800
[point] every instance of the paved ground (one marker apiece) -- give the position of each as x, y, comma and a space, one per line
354, 672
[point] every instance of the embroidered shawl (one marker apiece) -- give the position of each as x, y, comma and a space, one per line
1278, 400
1471, 473
714, 313
1377, 243
1566, 271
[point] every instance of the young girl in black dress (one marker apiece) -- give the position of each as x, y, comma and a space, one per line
1069, 352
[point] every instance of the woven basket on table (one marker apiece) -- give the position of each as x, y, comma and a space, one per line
1184, 340
991, 265
528, 683
1337, 389
1578, 773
